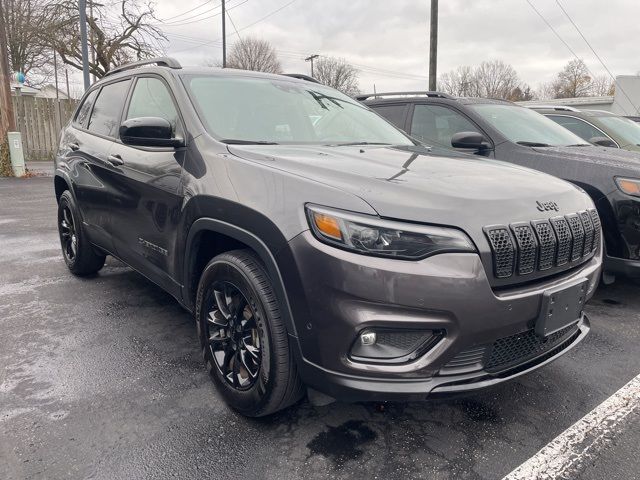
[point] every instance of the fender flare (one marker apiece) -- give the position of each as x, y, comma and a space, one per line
252, 241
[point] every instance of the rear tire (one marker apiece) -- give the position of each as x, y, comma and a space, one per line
78, 253
243, 337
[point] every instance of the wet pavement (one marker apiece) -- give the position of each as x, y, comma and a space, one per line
102, 378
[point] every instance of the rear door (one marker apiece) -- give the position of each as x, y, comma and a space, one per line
93, 134
145, 221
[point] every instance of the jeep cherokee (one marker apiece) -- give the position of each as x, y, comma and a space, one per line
316, 244
505, 131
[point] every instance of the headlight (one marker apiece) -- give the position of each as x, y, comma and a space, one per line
385, 238
630, 186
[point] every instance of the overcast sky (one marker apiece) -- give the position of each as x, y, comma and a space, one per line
388, 39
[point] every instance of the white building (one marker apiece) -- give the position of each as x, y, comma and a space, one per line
626, 100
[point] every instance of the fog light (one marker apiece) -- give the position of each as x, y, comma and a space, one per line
385, 345
368, 338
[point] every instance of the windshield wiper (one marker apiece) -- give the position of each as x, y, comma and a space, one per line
581, 145
533, 144
359, 143
233, 141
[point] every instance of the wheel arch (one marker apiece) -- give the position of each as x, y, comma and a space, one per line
611, 232
228, 237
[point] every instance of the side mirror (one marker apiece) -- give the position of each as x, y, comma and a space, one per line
149, 132
469, 140
603, 142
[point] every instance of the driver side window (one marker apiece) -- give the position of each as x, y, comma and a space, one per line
151, 98
577, 126
435, 124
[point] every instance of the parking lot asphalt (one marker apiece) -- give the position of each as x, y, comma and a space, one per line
102, 378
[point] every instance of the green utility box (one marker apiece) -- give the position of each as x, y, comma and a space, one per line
16, 153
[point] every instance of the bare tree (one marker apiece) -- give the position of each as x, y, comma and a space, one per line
573, 80
254, 54
494, 79
338, 74
602, 85
131, 35
460, 82
28, 39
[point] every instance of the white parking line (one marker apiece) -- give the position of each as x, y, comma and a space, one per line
564, 455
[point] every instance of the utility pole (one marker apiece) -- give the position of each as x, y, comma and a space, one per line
433, 46
55, 74
224, 36
66, 76
82, 7
93, 49
7, 119
310, 59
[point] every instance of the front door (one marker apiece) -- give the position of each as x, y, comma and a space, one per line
145, 221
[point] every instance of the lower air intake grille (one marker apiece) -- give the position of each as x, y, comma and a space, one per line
516, 349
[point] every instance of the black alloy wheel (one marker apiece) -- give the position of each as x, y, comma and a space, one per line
81, 257
243, 336
234, 336
68, 236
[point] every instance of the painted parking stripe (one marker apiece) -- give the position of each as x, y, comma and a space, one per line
565, 454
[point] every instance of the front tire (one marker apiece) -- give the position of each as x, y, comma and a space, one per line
243, 337
78, 253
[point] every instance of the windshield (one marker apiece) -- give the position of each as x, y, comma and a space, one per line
627, 129
265, 110
526, 127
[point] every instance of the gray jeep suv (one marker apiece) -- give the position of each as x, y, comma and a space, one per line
316, 244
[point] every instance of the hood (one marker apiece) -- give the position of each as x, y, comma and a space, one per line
610, 157
412, 184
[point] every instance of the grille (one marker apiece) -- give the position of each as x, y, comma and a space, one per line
547, 241
503, 251
565, 240
519, 348
540, 245
587, 223
595, 218
466, 361
577, 230
527, 248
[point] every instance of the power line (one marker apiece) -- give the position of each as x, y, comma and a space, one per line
245, 27
188, 11
559, 37
615, 82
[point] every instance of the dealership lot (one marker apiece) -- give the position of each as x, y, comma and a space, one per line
103, 378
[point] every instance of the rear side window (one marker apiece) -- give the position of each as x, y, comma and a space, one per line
577, 126
85, 109
436, 124
394, 113
151, 98
105, 117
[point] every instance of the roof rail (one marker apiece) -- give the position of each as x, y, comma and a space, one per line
560, 108
301, 76
405, 94
159, 61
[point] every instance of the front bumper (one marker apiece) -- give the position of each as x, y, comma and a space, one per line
340, 293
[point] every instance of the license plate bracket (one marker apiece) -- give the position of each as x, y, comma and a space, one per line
561, 306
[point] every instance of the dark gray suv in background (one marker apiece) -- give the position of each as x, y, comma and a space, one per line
316, 244
506, 131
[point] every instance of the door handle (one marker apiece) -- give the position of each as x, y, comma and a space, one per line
115, 160
74, 146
